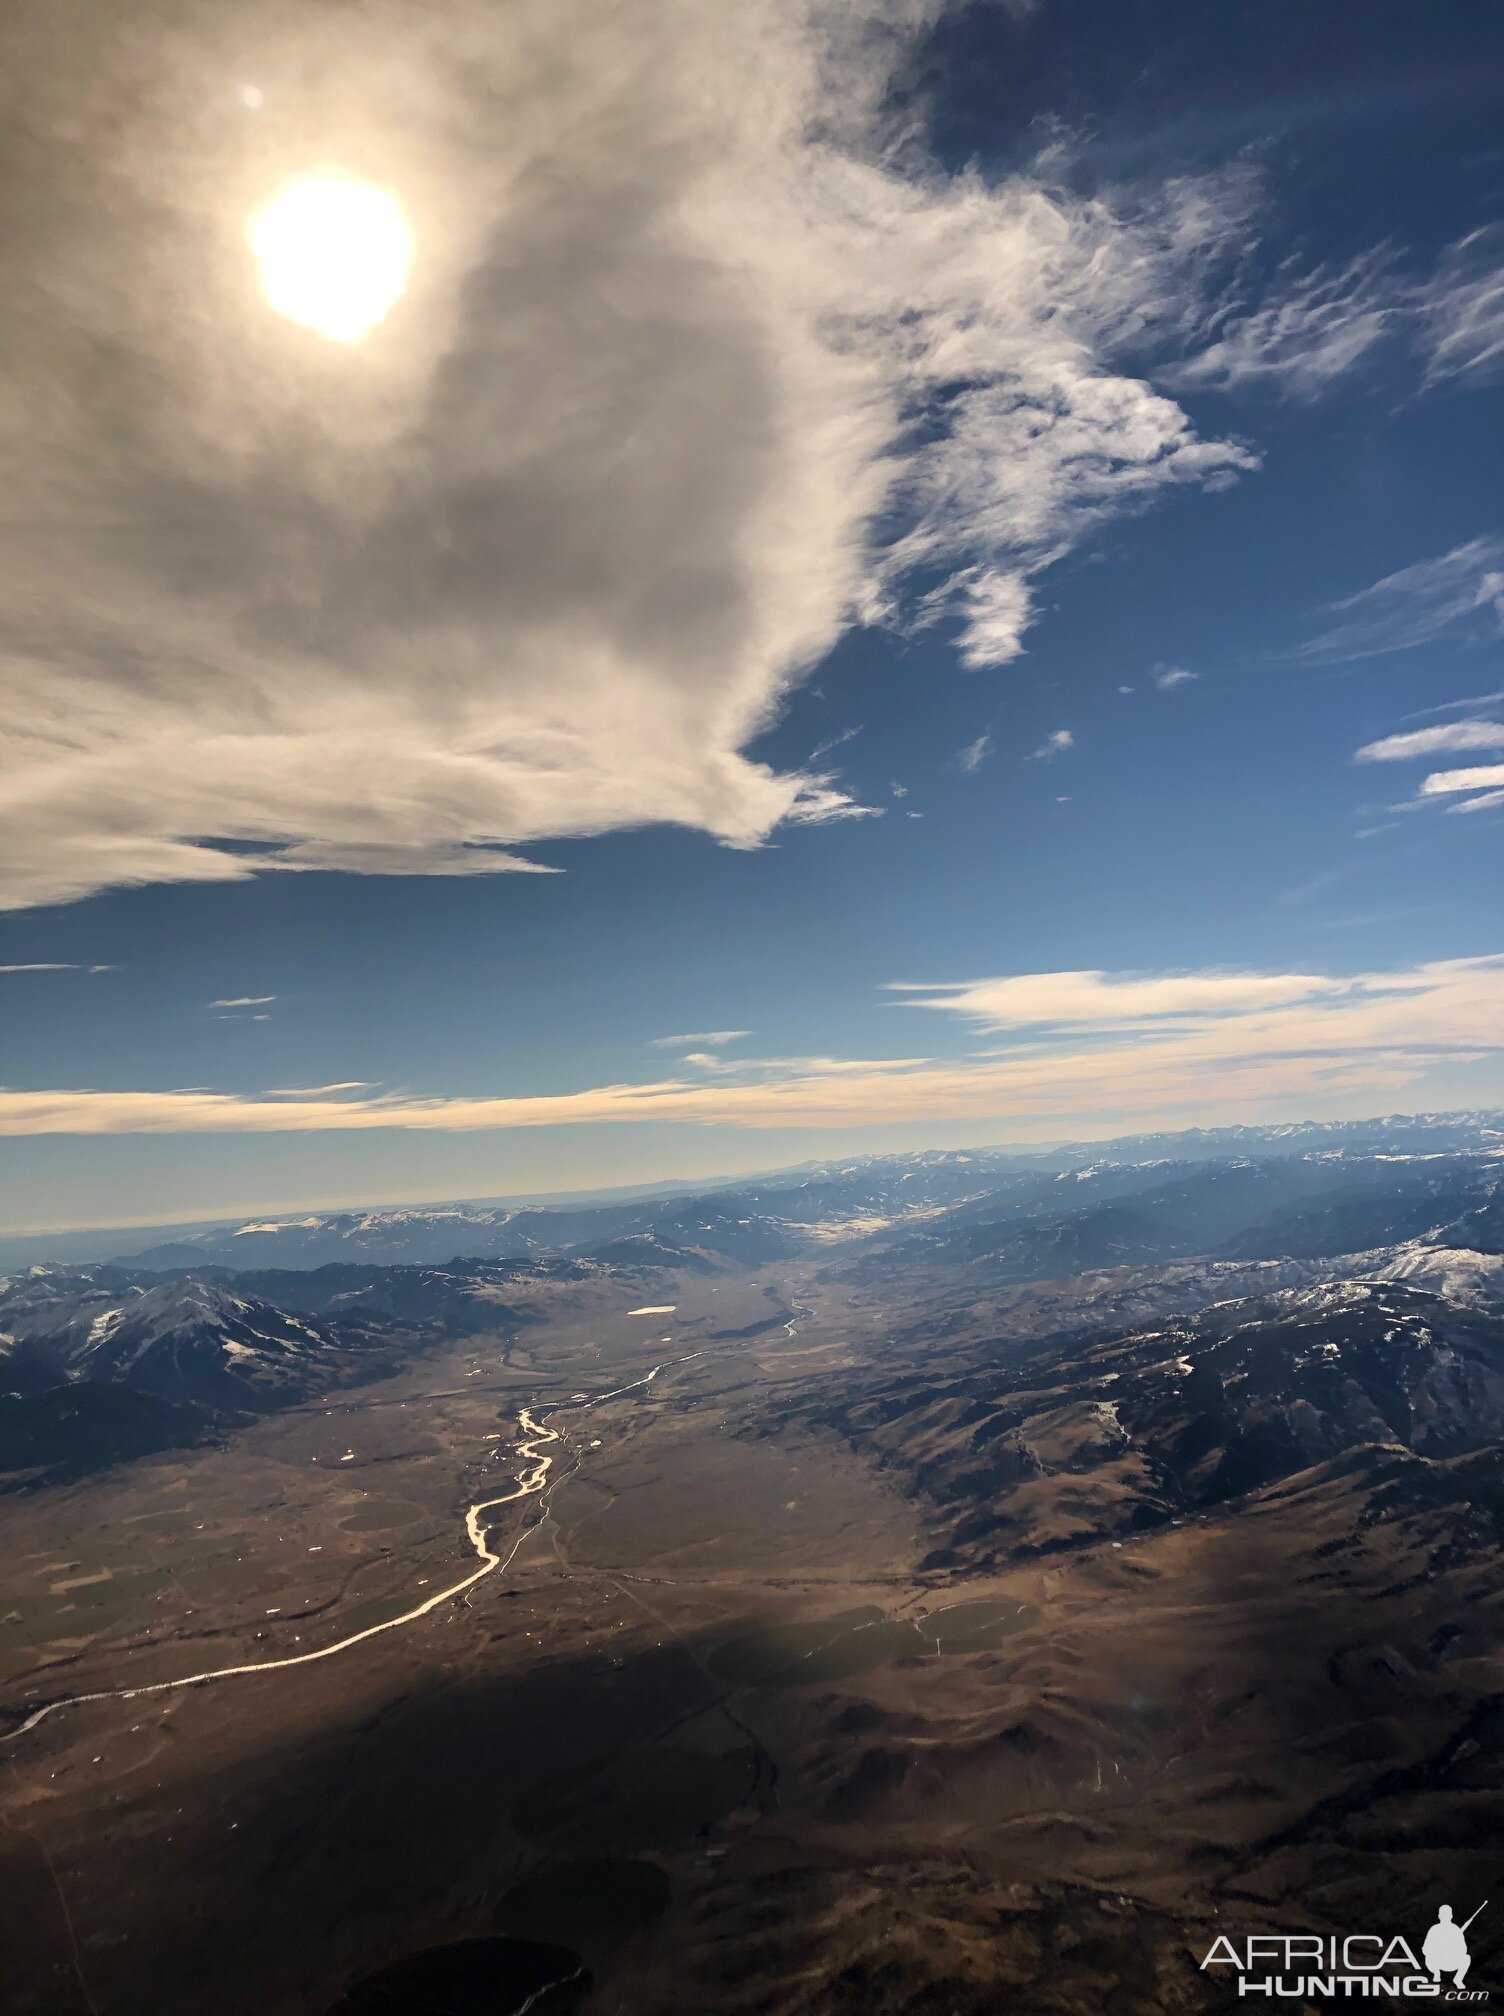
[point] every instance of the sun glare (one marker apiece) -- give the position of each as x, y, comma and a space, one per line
334, 253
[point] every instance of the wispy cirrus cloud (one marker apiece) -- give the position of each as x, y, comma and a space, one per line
708, 1039
1462, 310
1312, 328
320, 1091
1445, 738
1458, 706
974, 755
1315, 328
1094, 998
1449, 737
703, 361
1168, 677
53, 966
245, 1001
1072, 1052
1458, 594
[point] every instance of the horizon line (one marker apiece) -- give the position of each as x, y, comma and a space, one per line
555, 1199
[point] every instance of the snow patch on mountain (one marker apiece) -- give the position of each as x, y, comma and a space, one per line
1456, 1272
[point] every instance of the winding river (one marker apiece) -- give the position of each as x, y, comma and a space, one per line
533, 1480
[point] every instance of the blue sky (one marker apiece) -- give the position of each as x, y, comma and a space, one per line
976, 569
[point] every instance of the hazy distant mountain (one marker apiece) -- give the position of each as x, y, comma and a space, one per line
407, 1237
1318, 1205
825, 1199
1404, 1133
830, 1201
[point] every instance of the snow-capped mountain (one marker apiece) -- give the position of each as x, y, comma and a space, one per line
1295, 1377
1157, 1420
1458, 1273
182, 1340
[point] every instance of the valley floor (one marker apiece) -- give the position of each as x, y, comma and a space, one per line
749, 1721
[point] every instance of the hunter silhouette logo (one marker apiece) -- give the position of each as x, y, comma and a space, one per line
1445, 1948
1295, 1965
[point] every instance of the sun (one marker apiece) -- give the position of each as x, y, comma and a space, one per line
334, 253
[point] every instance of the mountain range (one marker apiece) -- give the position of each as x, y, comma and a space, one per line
183, 1339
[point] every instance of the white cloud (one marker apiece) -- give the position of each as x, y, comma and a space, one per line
1084, 1052
244, 1001
1451, 735
1459, 593
833, 742
996, 608
689, 321
392, 857
319, 1091
706, 1038
1455, 706
1167, 677
1482, 781
1462, 310
974, 755
1092, 997
1315, 328
1478, 777
54, 966
1052, 746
